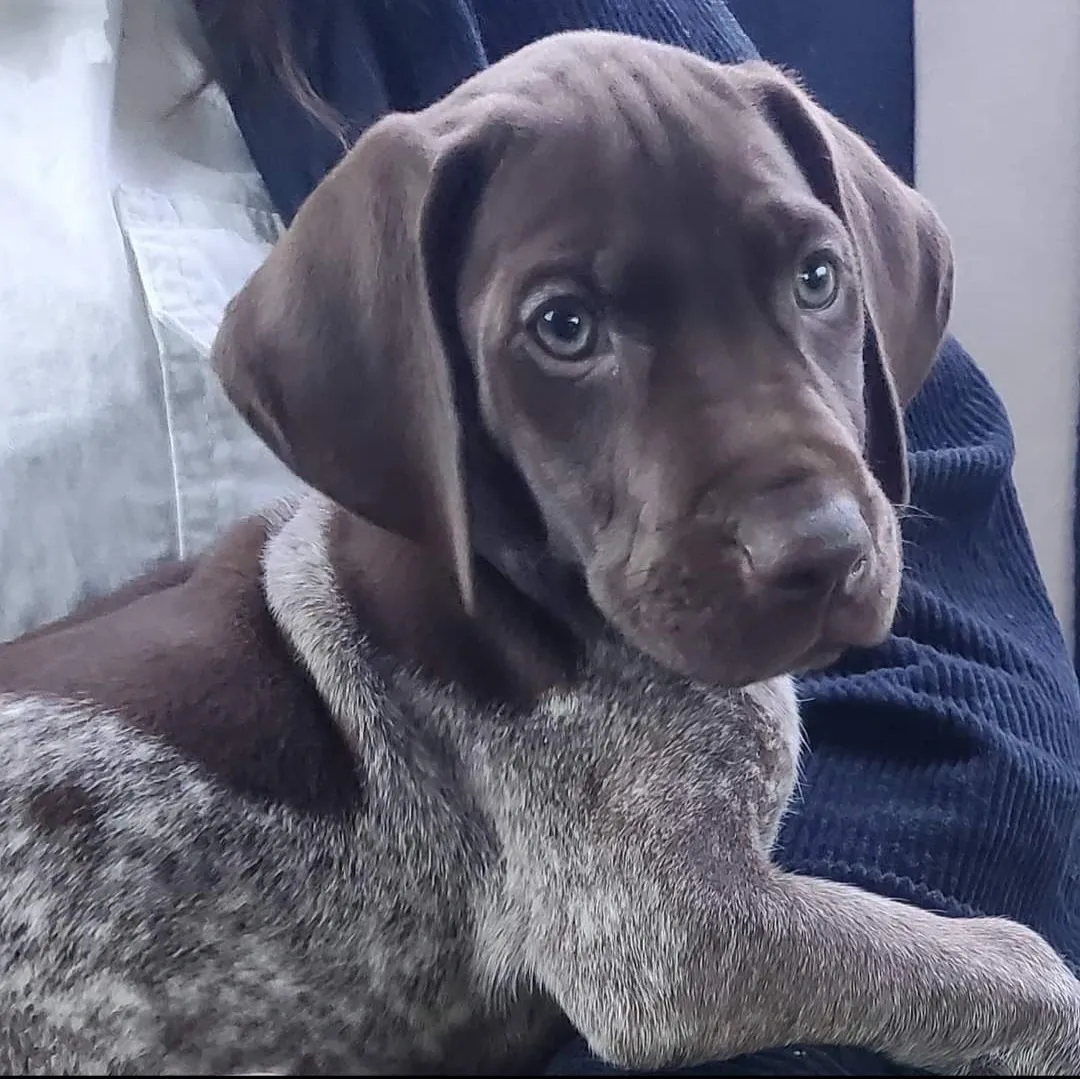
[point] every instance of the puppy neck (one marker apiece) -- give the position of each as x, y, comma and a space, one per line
510, 539
392, 593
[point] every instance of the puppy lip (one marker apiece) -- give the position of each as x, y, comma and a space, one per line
819, 657
862, 616
692, 638
729, 665
859, 570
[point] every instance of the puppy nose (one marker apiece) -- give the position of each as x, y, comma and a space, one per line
819, 551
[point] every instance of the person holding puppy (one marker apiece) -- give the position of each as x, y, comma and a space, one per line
942, 768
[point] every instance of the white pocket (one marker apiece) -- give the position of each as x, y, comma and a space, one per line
192, 256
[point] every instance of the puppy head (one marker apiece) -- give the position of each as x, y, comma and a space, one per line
685, 307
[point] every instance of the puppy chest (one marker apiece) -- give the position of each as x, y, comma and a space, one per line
635, 751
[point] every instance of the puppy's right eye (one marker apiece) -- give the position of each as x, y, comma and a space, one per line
566, 328
817, 282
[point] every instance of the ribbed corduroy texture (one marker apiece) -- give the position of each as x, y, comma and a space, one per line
944, 767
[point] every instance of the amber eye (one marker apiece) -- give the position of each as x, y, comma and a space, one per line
816, 282
566, 328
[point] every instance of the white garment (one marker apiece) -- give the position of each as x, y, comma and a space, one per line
126, 228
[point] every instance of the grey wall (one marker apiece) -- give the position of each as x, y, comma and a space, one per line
998, 151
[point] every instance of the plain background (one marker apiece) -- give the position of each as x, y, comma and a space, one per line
997, 143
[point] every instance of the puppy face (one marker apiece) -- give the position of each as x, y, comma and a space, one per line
686, 307
666, 328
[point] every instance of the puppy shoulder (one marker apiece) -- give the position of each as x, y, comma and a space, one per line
200, 666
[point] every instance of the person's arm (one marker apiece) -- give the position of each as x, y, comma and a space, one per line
703, 26
944, 767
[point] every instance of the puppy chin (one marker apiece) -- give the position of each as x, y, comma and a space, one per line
718, 632
726, 645
709, 662
695, 644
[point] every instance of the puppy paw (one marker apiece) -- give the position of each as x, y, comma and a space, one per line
1038, 1006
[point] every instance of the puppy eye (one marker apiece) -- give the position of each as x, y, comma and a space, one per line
816, 282
566, 328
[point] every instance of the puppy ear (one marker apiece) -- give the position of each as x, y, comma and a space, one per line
904, 254
335, 353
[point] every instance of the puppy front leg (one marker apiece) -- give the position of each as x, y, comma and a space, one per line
657, 977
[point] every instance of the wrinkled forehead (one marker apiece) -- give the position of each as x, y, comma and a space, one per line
645, 174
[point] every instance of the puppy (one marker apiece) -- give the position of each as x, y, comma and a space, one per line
596, 371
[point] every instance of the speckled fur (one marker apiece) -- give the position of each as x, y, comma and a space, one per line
150, 923
603, 855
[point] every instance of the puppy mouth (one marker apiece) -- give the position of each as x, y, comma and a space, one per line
822, 655
737, 651
711, 628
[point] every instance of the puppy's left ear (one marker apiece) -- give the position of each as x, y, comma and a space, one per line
904, 254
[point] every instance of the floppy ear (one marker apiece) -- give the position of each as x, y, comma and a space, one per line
904, 254
334, 352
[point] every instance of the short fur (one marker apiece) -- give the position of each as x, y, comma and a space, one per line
492, 732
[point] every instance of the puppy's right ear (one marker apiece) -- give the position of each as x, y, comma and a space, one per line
904, 254
334, 352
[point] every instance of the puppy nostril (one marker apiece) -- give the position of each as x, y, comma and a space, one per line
857, 571
811, 555
803, 581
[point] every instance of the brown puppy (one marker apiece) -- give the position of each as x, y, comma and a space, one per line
688, 318
597, 367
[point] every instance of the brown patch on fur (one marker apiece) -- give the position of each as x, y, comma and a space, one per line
157, 579
62, 807
200, 664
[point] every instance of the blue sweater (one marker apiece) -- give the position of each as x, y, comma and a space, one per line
943, 767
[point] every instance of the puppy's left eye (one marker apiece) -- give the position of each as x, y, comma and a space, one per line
566, 328
816, 282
